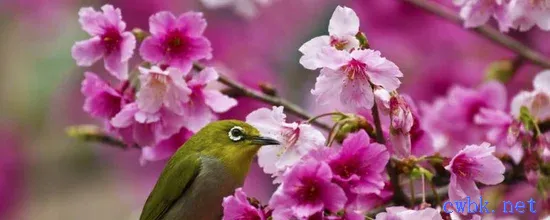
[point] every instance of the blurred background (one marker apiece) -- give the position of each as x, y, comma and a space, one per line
46, 175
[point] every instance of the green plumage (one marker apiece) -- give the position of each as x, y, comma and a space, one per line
208, 167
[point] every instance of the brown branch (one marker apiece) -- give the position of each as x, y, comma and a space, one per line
273, 100
92, 133
485, 31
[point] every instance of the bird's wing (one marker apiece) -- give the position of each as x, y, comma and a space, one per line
175, 179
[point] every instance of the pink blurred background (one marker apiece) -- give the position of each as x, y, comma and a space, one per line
46, 175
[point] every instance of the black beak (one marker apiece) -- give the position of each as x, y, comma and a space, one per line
259, 140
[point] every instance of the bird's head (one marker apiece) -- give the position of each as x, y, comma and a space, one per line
232, 141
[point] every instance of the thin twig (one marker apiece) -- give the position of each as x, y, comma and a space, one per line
423, 189
378, 125
324, 115
92, 133
437, 199
273, 100
485, 31
413, 197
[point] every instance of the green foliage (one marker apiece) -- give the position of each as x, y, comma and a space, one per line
528, 121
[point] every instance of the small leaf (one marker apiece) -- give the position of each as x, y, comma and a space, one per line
528, 120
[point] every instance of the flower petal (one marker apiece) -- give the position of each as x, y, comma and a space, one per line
343, 22
114, 17
87, 52
381, 71
328, 85
161, 22
541, 82
191, 23
357, 95
151, 50
127, 46
91, 21
311, 50
219, 102
125, 117
205, 76
116, 66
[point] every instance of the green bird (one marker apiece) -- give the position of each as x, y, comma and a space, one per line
207, 168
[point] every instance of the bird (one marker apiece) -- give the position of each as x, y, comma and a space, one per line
208, 167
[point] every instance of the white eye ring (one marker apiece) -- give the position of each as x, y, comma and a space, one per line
236, 133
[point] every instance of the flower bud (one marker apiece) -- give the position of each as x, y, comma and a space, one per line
401, 122
501, 70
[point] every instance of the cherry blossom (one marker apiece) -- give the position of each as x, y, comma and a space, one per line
176, 41
471, 164
348, 78
478, 12
307, 189
536, 101
109, 40
528, 13
145, 129
238, 207
162, 88
204, 102
343, 26
102, 100
402, 213
297, 139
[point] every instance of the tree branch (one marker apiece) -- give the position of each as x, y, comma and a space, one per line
378, 125
485, 31
92, 133
273, 100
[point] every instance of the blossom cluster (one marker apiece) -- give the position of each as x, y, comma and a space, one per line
472, 135
166, 101
470, 128
510, 14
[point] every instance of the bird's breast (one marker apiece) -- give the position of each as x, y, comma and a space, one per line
203, 199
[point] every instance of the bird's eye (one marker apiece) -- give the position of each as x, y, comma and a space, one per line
236, 133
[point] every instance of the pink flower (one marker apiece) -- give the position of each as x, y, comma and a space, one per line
297, 139
347, 78
359, 165
204, 102
402, 121
162, 88
342, 28
402, 213
363, 203
499, 122
145, 129
478, 12
306, 190
347, 215
536, 101
473, 163
237, 207
109, 40
164, 149
450, 120
499, 125
102, 100
176, 41
528, 13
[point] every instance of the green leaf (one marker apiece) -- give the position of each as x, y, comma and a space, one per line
417, 173
528, 120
